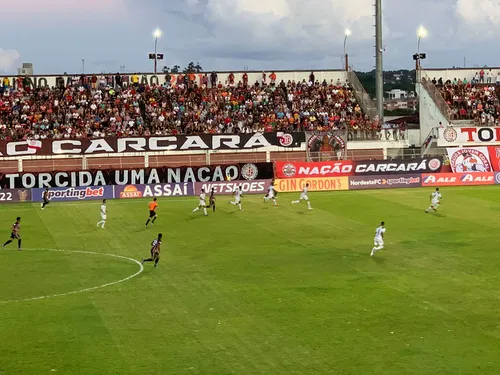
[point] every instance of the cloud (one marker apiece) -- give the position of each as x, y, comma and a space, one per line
60, 8
483, 13
8, 59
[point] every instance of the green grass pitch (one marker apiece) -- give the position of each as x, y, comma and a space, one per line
269, 290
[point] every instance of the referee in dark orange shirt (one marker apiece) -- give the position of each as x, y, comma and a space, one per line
152, 212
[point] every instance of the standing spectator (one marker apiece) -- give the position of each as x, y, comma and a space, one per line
213, 79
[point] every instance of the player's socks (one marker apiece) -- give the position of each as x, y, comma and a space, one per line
309, 205
239, 206
19, 244
153, 220
196, 209
147, 260
275, 203
8, 242
205, 211
147, 222
156, 262
295, 202
213, 208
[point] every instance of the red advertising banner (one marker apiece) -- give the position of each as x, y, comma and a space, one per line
298, 169
494, 153
458, 179
342, 168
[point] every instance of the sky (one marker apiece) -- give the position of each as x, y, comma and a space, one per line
116, 35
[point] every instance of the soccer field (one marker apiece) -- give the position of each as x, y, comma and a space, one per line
268, 290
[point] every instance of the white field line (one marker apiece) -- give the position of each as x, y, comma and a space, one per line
141, 268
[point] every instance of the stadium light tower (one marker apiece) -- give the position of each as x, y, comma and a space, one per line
156, 34
421, 33
379, 68
347, 33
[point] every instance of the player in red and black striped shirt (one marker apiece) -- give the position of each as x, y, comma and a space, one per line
15, 234
155, 251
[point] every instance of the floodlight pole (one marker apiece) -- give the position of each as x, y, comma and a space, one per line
379, 69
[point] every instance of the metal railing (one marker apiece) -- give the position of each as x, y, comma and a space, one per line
364, 100
390, 135
435, 95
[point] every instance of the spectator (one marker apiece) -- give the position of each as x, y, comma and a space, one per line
106, 108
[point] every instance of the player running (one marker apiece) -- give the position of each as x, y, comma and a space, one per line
435, 201
271, 194
238, 194
155, 251
304, 197
15, 234
378, 241
46, 200
211, 200
153, 205
104, 215
202, 204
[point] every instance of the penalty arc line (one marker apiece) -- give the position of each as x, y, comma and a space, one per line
141, 268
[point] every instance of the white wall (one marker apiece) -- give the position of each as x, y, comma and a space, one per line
430, 115
451, 74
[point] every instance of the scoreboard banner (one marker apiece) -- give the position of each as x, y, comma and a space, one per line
74, 193
229, 187
385, 182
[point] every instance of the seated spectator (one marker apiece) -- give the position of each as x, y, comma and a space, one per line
103, 105
474, 100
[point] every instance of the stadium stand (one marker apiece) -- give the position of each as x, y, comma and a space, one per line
89, 106
476, 99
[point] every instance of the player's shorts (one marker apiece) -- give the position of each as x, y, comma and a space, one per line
212, 202
378, 242
14, 236
155, 253
104, 217
304, 197
202, 203
237, 201
152, 213
270, 195
435, 204
46, 201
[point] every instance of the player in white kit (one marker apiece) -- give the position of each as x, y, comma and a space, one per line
202, 204
378, 241
435, 201
238, 194
304, 197
104, 214
271, 194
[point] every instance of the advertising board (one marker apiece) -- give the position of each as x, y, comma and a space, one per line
228, 187
458, 179
74, 193
468, 136
113, 145
315, 184
469, 159
15, 195
384, 182
163, 175
356, 168
154, 190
